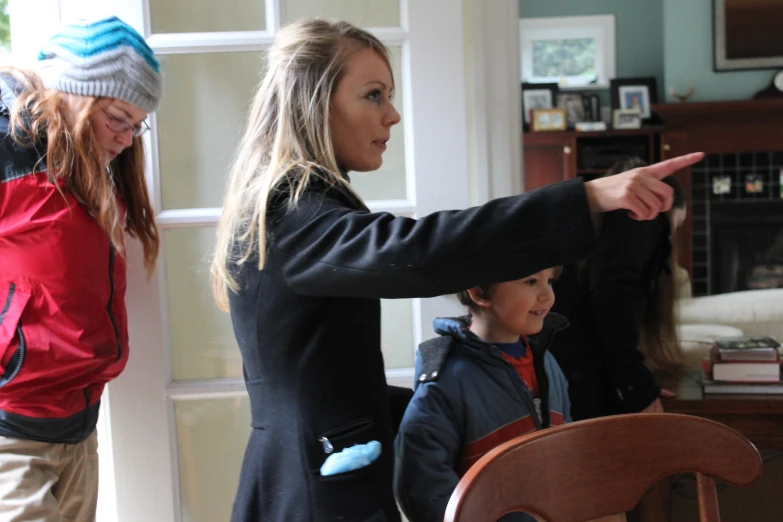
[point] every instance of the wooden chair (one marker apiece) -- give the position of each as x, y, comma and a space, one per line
600, 468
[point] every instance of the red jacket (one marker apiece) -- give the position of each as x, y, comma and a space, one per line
63, 322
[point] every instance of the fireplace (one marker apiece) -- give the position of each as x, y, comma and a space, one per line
737, 222
731, 239
747, 247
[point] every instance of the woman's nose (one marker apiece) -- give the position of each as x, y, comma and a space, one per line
125, 138
392, 116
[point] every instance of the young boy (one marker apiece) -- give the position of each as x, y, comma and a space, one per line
485, 381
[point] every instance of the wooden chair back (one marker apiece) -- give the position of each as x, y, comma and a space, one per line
598, 468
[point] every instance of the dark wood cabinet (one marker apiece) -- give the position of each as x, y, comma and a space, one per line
548, 158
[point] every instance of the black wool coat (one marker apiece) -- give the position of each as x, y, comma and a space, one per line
309, 329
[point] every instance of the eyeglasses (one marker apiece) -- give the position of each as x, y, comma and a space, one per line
120, 126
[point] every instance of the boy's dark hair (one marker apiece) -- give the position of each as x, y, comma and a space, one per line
485, 291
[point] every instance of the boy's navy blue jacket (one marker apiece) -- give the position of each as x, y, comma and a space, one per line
468, 400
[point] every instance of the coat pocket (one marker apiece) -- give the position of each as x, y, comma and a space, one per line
360, 431
13, 345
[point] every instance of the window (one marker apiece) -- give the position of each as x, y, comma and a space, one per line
573, 51
5, 32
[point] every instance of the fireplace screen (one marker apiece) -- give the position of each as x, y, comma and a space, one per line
747, 257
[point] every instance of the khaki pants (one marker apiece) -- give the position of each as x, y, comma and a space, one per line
43, 482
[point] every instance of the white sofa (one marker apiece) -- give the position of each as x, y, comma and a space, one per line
703, 319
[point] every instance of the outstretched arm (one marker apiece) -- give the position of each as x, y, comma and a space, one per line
640, 191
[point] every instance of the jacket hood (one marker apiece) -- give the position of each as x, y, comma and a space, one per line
10, 88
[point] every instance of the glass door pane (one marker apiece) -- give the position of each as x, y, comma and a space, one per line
200, 123
364, 13
211, 439
397, 333
202, 339
196, 16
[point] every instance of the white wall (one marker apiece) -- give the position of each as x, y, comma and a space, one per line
494, 112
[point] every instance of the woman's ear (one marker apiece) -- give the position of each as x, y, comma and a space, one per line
478, 297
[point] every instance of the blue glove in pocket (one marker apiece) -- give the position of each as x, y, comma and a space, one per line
349, 459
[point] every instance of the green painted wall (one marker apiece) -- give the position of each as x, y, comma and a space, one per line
638, 29
687, 43
668, 39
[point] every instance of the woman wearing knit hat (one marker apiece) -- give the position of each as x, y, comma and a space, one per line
72, 188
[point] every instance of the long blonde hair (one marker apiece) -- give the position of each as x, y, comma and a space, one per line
74, 162
287, 138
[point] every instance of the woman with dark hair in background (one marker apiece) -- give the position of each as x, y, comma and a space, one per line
620, 303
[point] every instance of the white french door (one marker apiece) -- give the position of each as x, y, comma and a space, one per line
178, 418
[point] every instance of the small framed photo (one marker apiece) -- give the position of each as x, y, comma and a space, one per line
635, 93
573, 104
754, 184
627, 119
538, 96
721, 184
548, 119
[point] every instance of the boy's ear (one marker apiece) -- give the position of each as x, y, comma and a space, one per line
477, 296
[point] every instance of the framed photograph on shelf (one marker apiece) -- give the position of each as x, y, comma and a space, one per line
548, 120
538, 96
573, 104
627, 119
635, 93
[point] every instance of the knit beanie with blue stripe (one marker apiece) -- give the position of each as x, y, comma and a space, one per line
102, 58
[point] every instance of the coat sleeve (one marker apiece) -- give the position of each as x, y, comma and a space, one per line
427, 450
326, 248
618, 296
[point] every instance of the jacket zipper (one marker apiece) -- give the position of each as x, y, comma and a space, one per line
543, 385
111, 299
21, 349
19, 360
527, 397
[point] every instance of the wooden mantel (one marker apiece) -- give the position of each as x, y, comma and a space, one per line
727, 126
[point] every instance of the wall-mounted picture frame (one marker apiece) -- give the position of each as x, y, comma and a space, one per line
738, 47
548, 120
635, 93
537, 96
627, 119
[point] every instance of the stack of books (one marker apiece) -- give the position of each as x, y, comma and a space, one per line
743, 365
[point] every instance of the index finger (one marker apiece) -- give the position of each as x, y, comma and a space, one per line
664, 168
